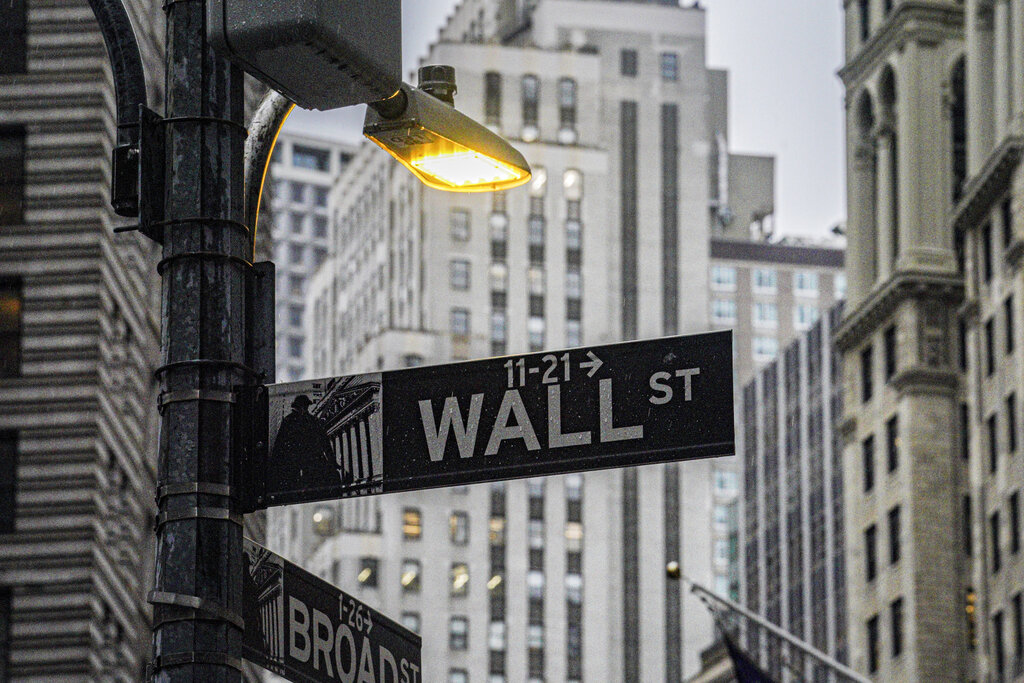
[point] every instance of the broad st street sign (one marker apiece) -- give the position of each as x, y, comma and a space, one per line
553, 412
306, 630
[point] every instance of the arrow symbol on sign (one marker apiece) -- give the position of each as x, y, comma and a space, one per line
594, 363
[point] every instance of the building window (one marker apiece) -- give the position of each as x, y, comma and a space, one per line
889, 350
459, 275
499, 277
986, 251
460, 322
723, 278
320, 226
870, 553
967, 531
12, 154
535, 332
13, 60
573, 333
308, 157
894, 535
573, 286
1011, 423
566, 111
892, 442
320, 196
896, 614
765, 281
990, 355
369, 568
459, 577
496, 635
458, 633
1008, 315
411, 620
492, 99
1018, 628
766, 314
8, 492
458, 527
412, 528
867, 449
999, 653
993, 443
499, 326
839, 285
873, 644
993, 528
298, 193
531, 97
866, 385
1014, 523
296, 253
296, 285
458, 675
10, 326
574, 589
765, 348
669, 66
628, 62
804, 315
535, 584
295, 346
864, 22
459, 224
410, 577
806, 283
723, 311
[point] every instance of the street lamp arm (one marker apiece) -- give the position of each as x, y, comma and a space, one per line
129, 93
266, 124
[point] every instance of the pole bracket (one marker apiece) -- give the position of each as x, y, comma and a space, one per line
182, 658
193, 488
200, 512
198, 609
196, 395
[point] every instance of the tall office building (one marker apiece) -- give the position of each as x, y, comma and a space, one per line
302, 170
560, 578
914, 110
80, 332
793, 533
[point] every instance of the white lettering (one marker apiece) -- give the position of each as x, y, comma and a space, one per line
366, 674
344, 633
451, 418
556, 439
322, 641
296, 628
410, 672
387, 658
609, 432
688, 373
512, 402
658, 384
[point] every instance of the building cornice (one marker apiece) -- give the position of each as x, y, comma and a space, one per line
988, 185
924, 380
917, 20
880, 303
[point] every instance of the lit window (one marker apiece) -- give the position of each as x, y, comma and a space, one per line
723, 311
766, 314
410, 577
572, 184
669, 66
723, 278
535, 280
458, 527
531, 95
460, 224
499, 277
574, 588
411, 620
411, 526
459, 576
496, 531
764, 280
458, 633
567, 111
460, 274
323, 521
539, 182
573, 536
765, 348
368, 570
10, 327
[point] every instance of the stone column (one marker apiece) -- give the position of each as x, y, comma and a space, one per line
885, 199
860, 234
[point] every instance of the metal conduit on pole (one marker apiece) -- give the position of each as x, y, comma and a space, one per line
206, 270
266, 124
825, 660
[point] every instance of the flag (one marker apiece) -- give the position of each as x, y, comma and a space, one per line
745, 668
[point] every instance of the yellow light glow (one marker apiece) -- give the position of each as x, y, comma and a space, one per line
408, 578
365, 575
494, 582
466, 168
459, 581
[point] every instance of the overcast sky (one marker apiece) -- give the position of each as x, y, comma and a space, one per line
784, 96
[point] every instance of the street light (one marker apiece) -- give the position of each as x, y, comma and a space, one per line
444, 148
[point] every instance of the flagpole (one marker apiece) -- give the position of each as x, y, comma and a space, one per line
807, 649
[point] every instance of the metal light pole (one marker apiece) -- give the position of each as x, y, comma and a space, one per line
207, 247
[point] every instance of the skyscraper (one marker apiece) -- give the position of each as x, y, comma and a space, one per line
560, 578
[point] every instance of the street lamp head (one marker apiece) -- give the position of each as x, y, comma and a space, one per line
442, 147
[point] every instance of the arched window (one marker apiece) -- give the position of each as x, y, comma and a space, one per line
887, 152
531, 99
492, 98
566, 111
958, 125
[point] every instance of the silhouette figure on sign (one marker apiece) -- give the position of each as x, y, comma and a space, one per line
303, 455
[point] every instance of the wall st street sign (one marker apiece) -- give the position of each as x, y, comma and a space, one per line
552, 412
306, 630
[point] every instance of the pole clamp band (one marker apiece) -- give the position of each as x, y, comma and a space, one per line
201, 512
181, 658
196, 395
200, 608
193, 488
